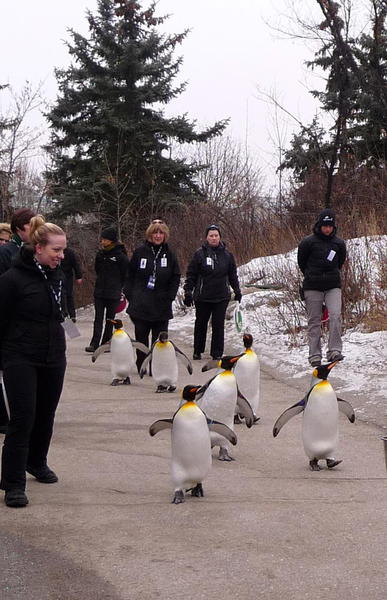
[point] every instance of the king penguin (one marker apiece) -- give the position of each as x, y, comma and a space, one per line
247, 373
191, 445
121, 353
163, 355
219, 397
320, 430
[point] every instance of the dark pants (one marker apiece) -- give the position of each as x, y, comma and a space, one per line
3, 410
142, 329
69, 296
217, 312
33, 394
101, 305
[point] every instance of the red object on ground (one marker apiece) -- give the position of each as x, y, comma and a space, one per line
123, 303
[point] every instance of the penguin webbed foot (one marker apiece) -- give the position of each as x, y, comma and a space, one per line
171, 388
197, 491
256, 419
224, 455
313, 465
331, 463
115, 382
161, 389
238, 419
178, 497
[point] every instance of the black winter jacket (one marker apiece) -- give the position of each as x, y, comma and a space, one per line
70, 264
152, 304
320, 258
111, 268
210, 274
30, 318
8, 253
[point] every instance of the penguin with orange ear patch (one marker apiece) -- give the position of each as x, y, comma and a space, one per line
191, 445
220, 397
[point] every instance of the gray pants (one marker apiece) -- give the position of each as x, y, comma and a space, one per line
314, 301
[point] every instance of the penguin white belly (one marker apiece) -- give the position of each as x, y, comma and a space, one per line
320, 422
219, 402
247, 373
164, 364
191, 448
122, 356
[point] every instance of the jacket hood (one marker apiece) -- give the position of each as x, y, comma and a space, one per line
326, 217
117, 249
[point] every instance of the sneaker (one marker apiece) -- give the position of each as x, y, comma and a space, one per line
315, 361
197, 356
90, 349
15, 498
334, 355
43, 474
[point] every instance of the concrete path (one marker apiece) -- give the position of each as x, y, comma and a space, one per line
267, 527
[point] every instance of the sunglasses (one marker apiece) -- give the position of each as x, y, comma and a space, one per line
155, 221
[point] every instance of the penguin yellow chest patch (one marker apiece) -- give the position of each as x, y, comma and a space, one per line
226, 374
162, 345
119, 333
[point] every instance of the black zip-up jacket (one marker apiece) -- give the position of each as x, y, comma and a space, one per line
8, 253
111, 269
144, 302
210, 273
30, 318
320, 258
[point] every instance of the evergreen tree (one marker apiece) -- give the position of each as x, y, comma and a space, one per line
111, 144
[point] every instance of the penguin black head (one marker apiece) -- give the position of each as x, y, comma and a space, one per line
247, 340
323, 371
228, 362
116, 322
189, 392
163, 337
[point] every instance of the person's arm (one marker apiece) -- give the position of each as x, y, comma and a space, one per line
191, 280
77, 267
8, 295
123, 267
302, 255
130, 275
233, 278
175, 278
342, 253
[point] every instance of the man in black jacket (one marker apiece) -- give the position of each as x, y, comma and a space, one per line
320, 258
111, 263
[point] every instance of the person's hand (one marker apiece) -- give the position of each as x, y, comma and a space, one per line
238, 296
188, 299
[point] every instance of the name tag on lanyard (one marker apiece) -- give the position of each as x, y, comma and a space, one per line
70, 328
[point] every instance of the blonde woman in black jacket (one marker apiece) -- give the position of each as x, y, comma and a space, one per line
32, 343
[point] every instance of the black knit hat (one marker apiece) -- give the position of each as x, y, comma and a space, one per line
212, 228
326, 217
110, 233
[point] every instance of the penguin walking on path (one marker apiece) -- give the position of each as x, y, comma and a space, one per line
164, 354
321, 408
247, 373
121, 346
219, 397
191, 445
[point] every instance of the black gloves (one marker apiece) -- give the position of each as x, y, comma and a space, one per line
238, 296
188, 299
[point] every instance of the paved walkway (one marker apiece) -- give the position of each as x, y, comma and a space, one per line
267, 527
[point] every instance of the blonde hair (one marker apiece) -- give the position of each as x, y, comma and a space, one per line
5, 227
40, 230
157, 225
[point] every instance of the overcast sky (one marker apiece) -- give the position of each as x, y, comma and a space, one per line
230, 52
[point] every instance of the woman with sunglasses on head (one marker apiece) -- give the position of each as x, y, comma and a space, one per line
32, 343
210, 274
151, 285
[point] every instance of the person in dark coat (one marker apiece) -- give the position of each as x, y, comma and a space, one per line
320, 258
72, 269
151, 285
32, 346
20, 227
210, 274
5, 234
111, 263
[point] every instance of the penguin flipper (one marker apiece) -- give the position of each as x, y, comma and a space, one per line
100, 350
139, 346
212, 364
244, 408
346, 408
204, 388
288, 414
223, 430
145, 364
184, 358
160, 425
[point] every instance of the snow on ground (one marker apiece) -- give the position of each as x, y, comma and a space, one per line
361, 378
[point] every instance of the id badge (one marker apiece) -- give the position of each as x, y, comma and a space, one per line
209, 261
163, 261
331, 255
143, 263
70, 328
151, 283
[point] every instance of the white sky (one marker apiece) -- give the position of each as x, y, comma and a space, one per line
229, 52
